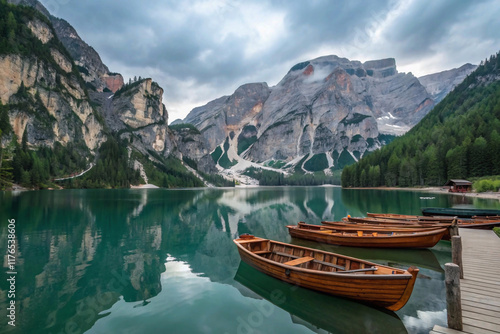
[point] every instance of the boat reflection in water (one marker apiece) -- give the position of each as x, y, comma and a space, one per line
399, 258
315, 310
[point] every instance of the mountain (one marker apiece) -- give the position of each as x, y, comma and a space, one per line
458, 139
46, 95
88, 61
62, 104
440, 84
324, 113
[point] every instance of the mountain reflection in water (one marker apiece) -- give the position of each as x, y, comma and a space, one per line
90, 258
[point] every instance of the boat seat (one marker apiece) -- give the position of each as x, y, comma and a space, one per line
357, 270
317, 261
328, 264
262, 252
298, 261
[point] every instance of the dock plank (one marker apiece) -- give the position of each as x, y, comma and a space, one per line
480, 292
480, 287
480, 306
481, 324
483, 311
477, 330
445, 330
481, 317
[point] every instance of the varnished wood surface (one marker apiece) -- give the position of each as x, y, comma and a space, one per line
330, 273
477, 222
425, 239
349, 226
480, 287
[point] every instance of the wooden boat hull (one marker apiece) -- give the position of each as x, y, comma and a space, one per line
373, 220
426, 239
476, 222
486, 217
341, 226
390, 291
461, 213
394, 216
361, 222
479, 224
395, 227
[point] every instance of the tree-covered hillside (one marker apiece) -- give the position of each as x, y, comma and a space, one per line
53, 123
459, 138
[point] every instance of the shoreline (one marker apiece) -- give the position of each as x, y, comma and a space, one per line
439, 190
431, 190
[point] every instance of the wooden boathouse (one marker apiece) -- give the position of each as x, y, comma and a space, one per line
459, 186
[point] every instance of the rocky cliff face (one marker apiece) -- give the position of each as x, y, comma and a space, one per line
191, 144
137, 113
64, 94
88, 61
229, 114
329, 108
440, 84
86, 58
141, 104
47, 99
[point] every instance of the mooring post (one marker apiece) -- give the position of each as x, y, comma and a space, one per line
456, 253
453, 296
453, 227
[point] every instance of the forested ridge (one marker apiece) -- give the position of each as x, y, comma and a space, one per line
458, 139
39, 167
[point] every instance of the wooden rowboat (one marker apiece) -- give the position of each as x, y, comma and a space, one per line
394, 216
487, 217
385, 221
362, 221
351, 226
461, 213
480, 224
385, 239
476, 222
330, 273
392, 226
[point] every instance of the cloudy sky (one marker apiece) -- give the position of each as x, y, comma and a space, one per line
200, 50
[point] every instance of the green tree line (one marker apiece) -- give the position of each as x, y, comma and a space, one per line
458, 139
113, 169
272, 178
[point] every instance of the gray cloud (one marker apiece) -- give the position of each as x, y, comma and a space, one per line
200, 50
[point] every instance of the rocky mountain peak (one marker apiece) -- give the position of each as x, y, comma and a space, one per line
140, 104
63, 94
225, 116
89, 63
441, 83
329, 109
380, 68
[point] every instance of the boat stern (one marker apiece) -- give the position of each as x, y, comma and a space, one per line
413, 271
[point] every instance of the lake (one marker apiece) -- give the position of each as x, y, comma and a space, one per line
163, 261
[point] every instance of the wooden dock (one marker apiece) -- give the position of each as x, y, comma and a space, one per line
480, 287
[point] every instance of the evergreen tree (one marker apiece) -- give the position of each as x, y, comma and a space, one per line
459, 138
391, 176
456, 161
480, 158
495, 152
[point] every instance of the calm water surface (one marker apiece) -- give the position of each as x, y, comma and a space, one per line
163, 261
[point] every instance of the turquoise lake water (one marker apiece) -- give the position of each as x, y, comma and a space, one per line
163, 261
